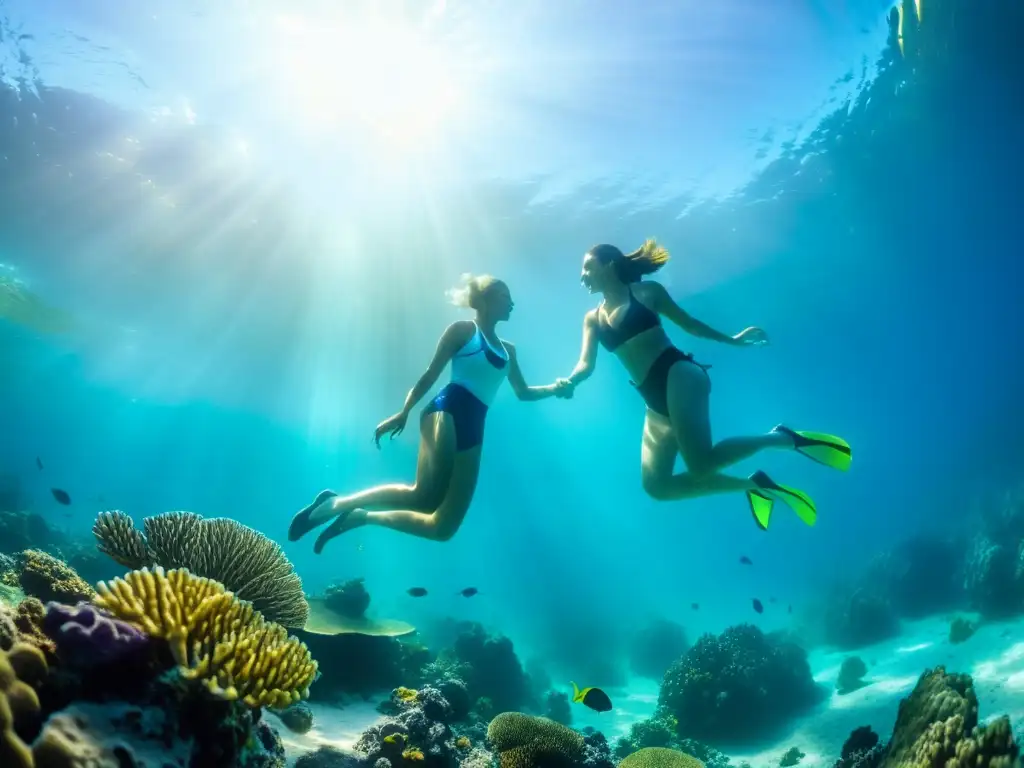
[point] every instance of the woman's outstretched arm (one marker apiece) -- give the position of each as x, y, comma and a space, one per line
663, 303
588, 353
518, 381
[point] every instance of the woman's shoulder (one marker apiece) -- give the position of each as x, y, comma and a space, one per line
460, 330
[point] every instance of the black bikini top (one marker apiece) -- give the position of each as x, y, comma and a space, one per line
637, 320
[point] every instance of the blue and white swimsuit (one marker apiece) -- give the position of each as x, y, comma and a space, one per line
478, 369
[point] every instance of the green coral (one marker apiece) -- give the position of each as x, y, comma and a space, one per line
524, 741
660, 757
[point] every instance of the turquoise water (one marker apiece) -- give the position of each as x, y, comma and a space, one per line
251, 219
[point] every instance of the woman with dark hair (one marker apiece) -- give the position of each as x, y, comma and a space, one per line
451, 429
677, 389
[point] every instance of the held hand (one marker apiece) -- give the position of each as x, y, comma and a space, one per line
393, 426
564, 389
754, 337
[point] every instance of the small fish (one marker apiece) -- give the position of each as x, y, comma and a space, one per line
469, 591
594, 698
416, 592
39, 463
744, 560
789, 609
757, 606
62, 497
695, 606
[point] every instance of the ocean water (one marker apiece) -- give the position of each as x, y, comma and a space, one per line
226, 236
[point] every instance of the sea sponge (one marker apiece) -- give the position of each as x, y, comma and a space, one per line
87, 636
45, 577
660, 757
523, 741
248, 563
19, 668
213, 636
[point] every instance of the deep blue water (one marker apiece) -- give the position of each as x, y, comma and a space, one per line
233, 353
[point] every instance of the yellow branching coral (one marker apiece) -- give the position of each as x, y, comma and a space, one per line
214, 637
248, 563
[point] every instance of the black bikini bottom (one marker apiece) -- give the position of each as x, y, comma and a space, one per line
654, 389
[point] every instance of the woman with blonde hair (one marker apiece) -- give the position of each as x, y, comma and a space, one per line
677, 389
451, 429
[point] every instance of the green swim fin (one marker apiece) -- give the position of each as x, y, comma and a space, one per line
825, 449
761, 508
796, 500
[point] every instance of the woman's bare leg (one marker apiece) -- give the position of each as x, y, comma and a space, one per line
432, 470
688, 432
438, 525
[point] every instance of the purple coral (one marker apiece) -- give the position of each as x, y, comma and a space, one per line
89, 636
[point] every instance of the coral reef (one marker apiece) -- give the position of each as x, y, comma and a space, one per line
858, 618
349, 598
660, 731
492, 668
660, 757
523, 741
419, 729
213, 636
298, 718
738, 685
851, 675
101, 695
332, 757
861, 749
45, 577
248, 563
936, 727
655, 647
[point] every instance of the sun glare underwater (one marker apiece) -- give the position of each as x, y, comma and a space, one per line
511, 385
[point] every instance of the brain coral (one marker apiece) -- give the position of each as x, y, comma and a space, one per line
524, 741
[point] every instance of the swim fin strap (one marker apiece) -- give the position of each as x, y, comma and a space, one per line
796, 500
825, 449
